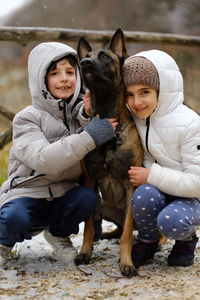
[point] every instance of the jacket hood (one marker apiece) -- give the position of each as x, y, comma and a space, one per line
170, 77
39, 60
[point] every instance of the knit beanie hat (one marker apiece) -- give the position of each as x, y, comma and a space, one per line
139, 70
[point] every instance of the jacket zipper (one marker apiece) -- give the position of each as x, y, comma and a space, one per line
147, 134
50, 192
147, 137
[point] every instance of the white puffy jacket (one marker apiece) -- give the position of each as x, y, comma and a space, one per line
45, 157
171, 135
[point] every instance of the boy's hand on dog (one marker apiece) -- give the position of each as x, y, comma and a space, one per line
86, 103
138, 175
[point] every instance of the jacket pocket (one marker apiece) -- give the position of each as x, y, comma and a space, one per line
21, 181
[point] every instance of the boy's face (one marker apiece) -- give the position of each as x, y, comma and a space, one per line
141, 99
61, 82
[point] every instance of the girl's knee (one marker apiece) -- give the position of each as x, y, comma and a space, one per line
173, 226
147, 196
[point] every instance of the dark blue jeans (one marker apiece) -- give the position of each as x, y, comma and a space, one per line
62, 215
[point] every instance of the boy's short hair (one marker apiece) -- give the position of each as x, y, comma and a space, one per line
71, 58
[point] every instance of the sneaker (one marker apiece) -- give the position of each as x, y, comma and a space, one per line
4, 250
182, 253
143, 252
63, 247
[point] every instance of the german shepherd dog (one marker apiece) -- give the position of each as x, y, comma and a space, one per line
107, 166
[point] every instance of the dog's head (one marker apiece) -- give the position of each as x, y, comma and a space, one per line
101, 72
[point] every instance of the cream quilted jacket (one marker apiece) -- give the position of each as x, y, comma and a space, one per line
171, 136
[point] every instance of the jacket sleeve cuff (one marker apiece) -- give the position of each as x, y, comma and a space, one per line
154, 174
82, 117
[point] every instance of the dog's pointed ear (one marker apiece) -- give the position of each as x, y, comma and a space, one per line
83, 48
117, 44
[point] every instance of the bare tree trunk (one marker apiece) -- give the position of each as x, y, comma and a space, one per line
6, 113
5, 137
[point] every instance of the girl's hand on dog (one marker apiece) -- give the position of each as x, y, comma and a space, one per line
114, 123
138, 175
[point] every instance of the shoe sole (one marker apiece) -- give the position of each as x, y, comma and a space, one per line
180, 264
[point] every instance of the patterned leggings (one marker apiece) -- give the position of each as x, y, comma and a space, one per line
175, 217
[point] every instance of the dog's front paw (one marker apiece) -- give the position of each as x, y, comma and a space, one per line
82, 258
128, 271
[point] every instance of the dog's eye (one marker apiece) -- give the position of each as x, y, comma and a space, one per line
103, 55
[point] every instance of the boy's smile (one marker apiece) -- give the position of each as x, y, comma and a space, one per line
141, 99
61, 82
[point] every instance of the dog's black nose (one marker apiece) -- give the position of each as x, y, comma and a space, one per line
86, 61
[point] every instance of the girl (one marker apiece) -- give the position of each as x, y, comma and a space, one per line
42, 191
168, 186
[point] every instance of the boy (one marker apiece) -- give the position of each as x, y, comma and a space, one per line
42, 191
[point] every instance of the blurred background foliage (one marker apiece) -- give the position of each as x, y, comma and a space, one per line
164, 16
4, 163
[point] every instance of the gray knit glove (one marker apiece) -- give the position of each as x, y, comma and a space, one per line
100, 130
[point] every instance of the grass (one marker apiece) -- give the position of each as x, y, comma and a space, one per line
4, 163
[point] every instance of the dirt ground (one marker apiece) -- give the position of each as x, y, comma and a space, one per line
32, 272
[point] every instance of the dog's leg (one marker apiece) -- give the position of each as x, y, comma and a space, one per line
162, 239
86, 250
126, 265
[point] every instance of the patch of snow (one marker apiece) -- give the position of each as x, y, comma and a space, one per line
33, 272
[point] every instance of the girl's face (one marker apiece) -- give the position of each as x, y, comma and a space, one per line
61, 81
141, 99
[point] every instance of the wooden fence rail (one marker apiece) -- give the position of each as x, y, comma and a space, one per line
23, 35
